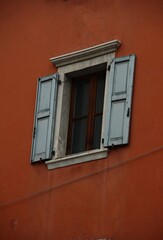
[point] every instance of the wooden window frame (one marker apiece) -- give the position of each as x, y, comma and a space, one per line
91, 111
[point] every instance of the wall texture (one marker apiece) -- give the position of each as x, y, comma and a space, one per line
119, 197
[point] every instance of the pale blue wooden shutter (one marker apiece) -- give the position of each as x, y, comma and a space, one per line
119, 101
42, 146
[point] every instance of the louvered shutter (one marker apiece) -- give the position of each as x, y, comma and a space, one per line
44, 118
119, 101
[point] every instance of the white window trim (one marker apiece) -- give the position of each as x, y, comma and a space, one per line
77, 158
74, 63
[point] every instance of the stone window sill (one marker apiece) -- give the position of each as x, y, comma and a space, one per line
77, 158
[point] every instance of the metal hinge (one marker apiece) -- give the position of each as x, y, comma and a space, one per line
109, 68
59, 82
128, 112
34, 132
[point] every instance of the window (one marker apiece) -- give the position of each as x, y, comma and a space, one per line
84, 108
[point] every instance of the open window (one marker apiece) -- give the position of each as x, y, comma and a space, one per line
86, 111
90, 109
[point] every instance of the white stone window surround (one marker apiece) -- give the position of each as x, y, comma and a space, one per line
70, 65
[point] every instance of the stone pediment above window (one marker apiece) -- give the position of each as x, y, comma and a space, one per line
85, 54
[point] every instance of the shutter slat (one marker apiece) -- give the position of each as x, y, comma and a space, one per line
119, 101
119, 97
43, 114
45, 118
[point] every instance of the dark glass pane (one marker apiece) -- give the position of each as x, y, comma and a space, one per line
79, 135
82, 98
97, 131
100, 92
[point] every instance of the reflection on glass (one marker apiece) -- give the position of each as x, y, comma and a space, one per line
97, 131
79, 135
82, 98
100, 92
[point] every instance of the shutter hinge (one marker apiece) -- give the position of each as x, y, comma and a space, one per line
53, 153
128, 112
34, 132
111, 147
56, 76
102, 141
59, 82
109, 68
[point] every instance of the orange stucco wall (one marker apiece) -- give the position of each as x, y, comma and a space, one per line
120, 197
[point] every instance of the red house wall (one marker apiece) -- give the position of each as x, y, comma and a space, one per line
119, 197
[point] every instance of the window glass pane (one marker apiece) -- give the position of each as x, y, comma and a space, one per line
79, 135
100, 92
82, 98
97, 131
86, 113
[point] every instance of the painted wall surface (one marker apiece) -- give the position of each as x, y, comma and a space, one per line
120, 197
